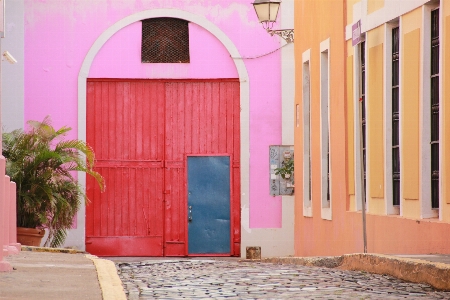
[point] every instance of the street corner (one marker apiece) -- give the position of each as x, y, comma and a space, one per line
108, 278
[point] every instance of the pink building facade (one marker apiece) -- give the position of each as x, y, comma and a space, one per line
65, 43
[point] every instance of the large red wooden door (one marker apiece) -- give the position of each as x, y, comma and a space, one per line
142, 132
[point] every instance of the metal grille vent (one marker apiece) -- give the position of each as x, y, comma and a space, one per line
165, 40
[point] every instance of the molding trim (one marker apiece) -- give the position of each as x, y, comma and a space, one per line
306, 128
325, 136
244, 95
387, 111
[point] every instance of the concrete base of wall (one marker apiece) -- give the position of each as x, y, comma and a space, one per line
5, 266
12, 250
273, 241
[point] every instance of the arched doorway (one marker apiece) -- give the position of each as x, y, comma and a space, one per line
240, 182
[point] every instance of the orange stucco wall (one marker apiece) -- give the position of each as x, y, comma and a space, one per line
350, 128
375, 121
330, 25
406, 234
409, 110
410, 105
351, 102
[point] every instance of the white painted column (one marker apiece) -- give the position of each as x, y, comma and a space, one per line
278, 241
288, 121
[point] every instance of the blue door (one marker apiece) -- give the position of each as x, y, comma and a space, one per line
208, 179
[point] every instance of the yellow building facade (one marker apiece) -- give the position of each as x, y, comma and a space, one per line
387, 130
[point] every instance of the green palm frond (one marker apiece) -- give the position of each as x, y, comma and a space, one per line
43, 165
56, 239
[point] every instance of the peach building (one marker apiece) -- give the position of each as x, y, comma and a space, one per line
371, 122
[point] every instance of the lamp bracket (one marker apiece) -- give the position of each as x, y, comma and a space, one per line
286, 34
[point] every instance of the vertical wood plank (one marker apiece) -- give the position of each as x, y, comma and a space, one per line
161, 120
215, 97
90, 139
169, 120
208, 118
222, 138
176, 155
181, 121
116, 203
229, 118
97, 206
131, 124
134, 221
168, 149
176, 133
103, 211
127, 94
142, 215
195, 137
104, 135
188, 117
202, 118
147, 114
179, 207
104, 116
236, 164
125, 194
110, 118
236, 122
118, 124
138, 121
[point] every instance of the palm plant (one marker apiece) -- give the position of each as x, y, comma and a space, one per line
43, 166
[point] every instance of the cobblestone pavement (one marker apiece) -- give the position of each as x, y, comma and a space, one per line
221, 279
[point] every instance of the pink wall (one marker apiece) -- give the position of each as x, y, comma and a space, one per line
121, 57
58, 34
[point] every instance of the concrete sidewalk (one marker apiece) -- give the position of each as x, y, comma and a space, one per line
51, 274
73, 275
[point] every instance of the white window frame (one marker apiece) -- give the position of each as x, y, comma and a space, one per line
326, 205
425, 150
306, 99
388, 187
357, 125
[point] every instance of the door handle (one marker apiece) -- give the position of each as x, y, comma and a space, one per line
190, 213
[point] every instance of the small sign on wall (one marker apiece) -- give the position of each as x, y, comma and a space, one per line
281, 170
356, 33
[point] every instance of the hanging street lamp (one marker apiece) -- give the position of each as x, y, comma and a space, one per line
267, 12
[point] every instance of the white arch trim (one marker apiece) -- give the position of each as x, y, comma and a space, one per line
78, 235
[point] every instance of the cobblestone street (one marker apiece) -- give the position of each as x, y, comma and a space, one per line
230, 279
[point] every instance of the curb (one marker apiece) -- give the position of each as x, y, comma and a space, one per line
413, 270
109, 280
53, 250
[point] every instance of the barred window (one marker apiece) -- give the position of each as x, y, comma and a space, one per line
165, 40
363, 109
435, 108
395, 118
